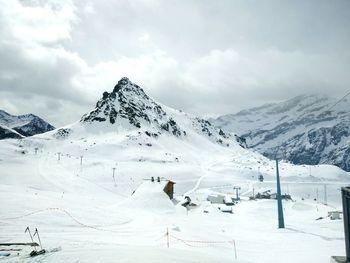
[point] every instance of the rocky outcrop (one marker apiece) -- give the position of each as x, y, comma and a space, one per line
129, 107
129, 102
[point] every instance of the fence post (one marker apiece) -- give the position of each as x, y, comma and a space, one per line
234, 245
167, 236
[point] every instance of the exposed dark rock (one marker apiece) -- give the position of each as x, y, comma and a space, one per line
6, 133
62, 133
128, 101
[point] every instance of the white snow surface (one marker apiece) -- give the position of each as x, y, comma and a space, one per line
84, 214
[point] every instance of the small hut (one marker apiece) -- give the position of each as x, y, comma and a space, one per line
169, 189
334, 215
216, 199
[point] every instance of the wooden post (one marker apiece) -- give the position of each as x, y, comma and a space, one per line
115, 184
167, 236
234, 245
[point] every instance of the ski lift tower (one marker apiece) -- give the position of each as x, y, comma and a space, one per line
237, 188
345, 192
279, 199
261, 178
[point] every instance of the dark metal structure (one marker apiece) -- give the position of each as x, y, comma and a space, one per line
279, 199
345, 191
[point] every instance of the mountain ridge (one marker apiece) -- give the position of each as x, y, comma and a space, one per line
12, 126
129, 108
307, 129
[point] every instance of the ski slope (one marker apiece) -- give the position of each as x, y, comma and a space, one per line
84, 215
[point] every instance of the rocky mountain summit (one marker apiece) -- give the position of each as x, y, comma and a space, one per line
308, 129
129, 107
128, 102
12, 126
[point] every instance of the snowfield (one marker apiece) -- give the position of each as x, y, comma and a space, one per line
86, 187
84, 215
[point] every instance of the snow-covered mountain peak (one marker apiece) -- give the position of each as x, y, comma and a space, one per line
130, 107
129, 110
125, 82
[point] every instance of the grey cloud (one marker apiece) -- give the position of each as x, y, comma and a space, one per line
205, 57
28, 74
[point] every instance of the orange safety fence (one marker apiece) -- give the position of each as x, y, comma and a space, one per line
97, 227
200, 243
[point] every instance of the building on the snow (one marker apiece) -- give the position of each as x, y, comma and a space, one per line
216, 199
261, 178
268, 195
220, 199
169, 189
226, 209
168, 185
334, 215
229, 201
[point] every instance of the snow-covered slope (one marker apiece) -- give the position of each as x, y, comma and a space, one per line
12, 126
86, 188
128, 109
302, 130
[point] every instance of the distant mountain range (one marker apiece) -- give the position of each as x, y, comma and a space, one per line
128, 108
307, 129
21, 126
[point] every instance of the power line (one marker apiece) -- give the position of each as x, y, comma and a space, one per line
338, 101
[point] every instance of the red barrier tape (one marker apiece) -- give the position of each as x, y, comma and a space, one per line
202, 242
63, 211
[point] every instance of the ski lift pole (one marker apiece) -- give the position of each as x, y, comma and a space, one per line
279, 199
115, 184
167, 237
345, 191
37, 233
237, 189
234, 246
30, 234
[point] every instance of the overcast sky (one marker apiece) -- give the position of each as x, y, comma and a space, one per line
204, 57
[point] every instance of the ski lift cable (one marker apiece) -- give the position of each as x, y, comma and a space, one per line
347, 94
